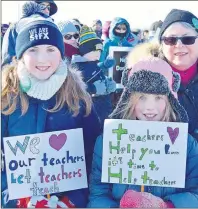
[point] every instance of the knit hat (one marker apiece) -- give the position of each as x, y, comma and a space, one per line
153, 76
177, 15
77, 24
89, 41
66, 27
53, 6
37, 30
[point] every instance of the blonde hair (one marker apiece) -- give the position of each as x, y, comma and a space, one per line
72, 92
129, 106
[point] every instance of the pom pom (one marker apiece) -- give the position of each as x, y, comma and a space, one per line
30, 8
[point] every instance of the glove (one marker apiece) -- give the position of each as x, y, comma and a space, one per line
100, 86
42, 202
133, 199
108, 63
111, 85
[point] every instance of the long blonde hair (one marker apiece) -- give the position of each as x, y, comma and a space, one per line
72, 92
128, 109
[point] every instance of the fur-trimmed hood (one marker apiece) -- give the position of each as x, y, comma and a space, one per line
141, 51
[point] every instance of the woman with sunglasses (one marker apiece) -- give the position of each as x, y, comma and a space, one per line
179, 47
70, 37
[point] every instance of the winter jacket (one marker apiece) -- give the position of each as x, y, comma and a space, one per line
188, 97
105, 195
38, 120
115, 40
8, 45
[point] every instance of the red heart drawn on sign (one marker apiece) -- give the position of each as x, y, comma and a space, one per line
173, 134
57, 142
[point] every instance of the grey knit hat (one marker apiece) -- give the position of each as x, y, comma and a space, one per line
153, 76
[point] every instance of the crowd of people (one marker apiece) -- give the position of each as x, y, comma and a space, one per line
55, 77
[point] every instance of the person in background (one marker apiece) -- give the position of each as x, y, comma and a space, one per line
105, 30
155, 26
118, 34
97, 27
145, 36
4, 28
47, 8
70, 37
178, 39
98, 85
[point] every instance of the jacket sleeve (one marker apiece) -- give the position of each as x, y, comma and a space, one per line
91, 130
100, 193
8, 45
188, 197
105, 51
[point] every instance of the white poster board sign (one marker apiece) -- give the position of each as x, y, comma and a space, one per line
144, 153
119, 54
45, 163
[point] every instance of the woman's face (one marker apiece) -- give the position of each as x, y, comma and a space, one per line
42, 60
71, 38
180, 55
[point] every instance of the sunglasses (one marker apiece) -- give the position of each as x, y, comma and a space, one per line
186, 40
69, 36
43, 7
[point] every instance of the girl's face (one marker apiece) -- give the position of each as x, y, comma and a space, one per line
150, 107
180, 55
71, 38
42, 60
121, 28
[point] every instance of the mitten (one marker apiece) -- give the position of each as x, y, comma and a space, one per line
133, 199
108, 63
100, 86
42, 202
111, 85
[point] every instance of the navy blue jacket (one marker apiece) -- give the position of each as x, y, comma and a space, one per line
188, 97
37, 120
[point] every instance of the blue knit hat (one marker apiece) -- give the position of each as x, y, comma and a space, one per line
177, 15
66, 27
37, 30
89, 41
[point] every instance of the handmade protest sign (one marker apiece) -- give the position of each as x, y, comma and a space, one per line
144, 153
45, 163
119, 54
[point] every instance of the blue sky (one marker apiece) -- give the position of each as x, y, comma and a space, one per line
140, 14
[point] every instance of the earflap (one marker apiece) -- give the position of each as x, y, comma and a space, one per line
181, 114
176, 81
124, 78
